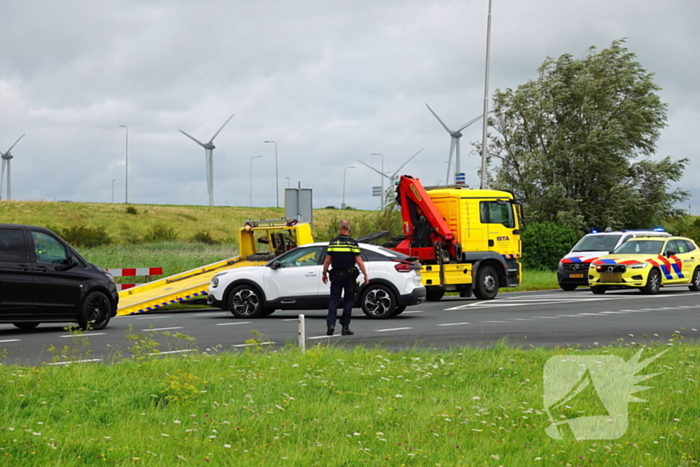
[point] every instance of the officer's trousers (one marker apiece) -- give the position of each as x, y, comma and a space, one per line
341, 282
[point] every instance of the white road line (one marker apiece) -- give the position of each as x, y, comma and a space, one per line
249, 345
234, 323
638, 311
392, 329
85, 335
155, 317
412, 311
493, 321
613, 312
76, 361
502, 304
545, 317
588, 314
161, 329
453, 324
222, 313
172, 351
10, 340
521, 319
569, 316
322, 337
291, 319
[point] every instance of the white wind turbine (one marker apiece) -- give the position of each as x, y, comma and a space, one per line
394, 176
454, 142
209, 159
6, 158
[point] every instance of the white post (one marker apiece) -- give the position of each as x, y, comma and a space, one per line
302, 334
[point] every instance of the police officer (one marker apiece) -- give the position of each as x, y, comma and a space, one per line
343, 254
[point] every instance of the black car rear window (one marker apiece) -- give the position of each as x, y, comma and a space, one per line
13, 248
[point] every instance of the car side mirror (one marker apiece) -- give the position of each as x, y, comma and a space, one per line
70, 264
276, 265
671, 253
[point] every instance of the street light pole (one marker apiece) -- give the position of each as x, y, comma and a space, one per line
486, 103
251, 179
342, 206
382, 178
113, 180
277, 181
126, 173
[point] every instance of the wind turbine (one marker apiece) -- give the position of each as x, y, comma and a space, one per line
454, 142
6, 158
209, 159
394, 175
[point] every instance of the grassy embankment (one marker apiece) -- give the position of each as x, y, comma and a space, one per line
220, 223
332, 407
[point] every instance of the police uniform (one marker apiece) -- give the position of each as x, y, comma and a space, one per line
343, 250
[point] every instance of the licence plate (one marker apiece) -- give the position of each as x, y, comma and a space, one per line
576, 276
611, 277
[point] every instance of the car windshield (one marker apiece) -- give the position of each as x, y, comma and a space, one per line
597, 243
643, 247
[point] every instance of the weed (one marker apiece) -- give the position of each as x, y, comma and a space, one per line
160, 233
143, 346
181, 388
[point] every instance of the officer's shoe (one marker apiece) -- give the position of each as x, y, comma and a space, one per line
346, 331
330, 331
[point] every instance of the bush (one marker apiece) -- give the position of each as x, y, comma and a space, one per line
204, 237
88, 237
371, 222
160, 233
131, 210
544, 244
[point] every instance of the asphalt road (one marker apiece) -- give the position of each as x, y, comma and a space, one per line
550, 318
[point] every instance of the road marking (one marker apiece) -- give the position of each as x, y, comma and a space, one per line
155, 317
637, 311
493, 321
322, 337
84, 335
502, 304
76, 361
452, 324
221, 313
412, 311
161, 329
521, 319
545, 317
570, 316
234, 324
291, 319
588, 314
11, 340
392, 329
172, 351
613, 312
249, 345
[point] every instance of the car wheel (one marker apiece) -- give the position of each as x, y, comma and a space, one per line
486, 286
653, 283
399, 310
378, 302
568, 287
598, 289
95, 312
245, 301
25, 325
695, 282
434, 294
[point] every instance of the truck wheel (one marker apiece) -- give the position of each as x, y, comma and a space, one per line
598, 289
95, 312
378, 302
568, 287
486, 286
244, 301
653, 283
695, 282
434, 294
26, 325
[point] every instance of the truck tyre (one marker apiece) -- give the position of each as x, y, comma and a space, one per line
95, 312
244, 301
568, 287
434, 294
486, 287
598, 289
378, 302
653, 283
695, 281
26, 325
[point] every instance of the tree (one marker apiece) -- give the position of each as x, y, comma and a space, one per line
567, 143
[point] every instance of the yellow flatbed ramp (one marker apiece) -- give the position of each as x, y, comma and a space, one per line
174, 289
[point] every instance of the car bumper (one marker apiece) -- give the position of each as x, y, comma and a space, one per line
634, 280
416, 296
579, 277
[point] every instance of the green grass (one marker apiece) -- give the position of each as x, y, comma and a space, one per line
332, 407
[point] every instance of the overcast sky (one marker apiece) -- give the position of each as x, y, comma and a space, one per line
330, 81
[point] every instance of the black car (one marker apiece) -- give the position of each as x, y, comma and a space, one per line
43, 279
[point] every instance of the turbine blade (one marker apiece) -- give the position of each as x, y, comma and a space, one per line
449, 160
438, 119
222, 127
402, 165
8, 151
192, 138
383, 175
470, 122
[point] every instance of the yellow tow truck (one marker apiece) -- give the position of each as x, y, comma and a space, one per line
259, 242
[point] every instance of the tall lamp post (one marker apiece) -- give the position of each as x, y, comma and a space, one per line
342, 206
382, 178
484, 142
113, 180
251, 179
126, 174
277, 182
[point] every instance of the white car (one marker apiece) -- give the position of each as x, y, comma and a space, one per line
294, 281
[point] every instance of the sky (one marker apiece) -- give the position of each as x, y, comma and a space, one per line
331, 82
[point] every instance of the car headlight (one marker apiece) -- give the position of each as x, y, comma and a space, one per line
638, 266
215, 282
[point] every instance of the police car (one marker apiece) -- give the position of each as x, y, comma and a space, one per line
292, 281
573, 268
647, 263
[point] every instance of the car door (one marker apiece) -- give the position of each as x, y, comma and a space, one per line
16, 274
296, 277
688, 256
674, 265
57, 289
